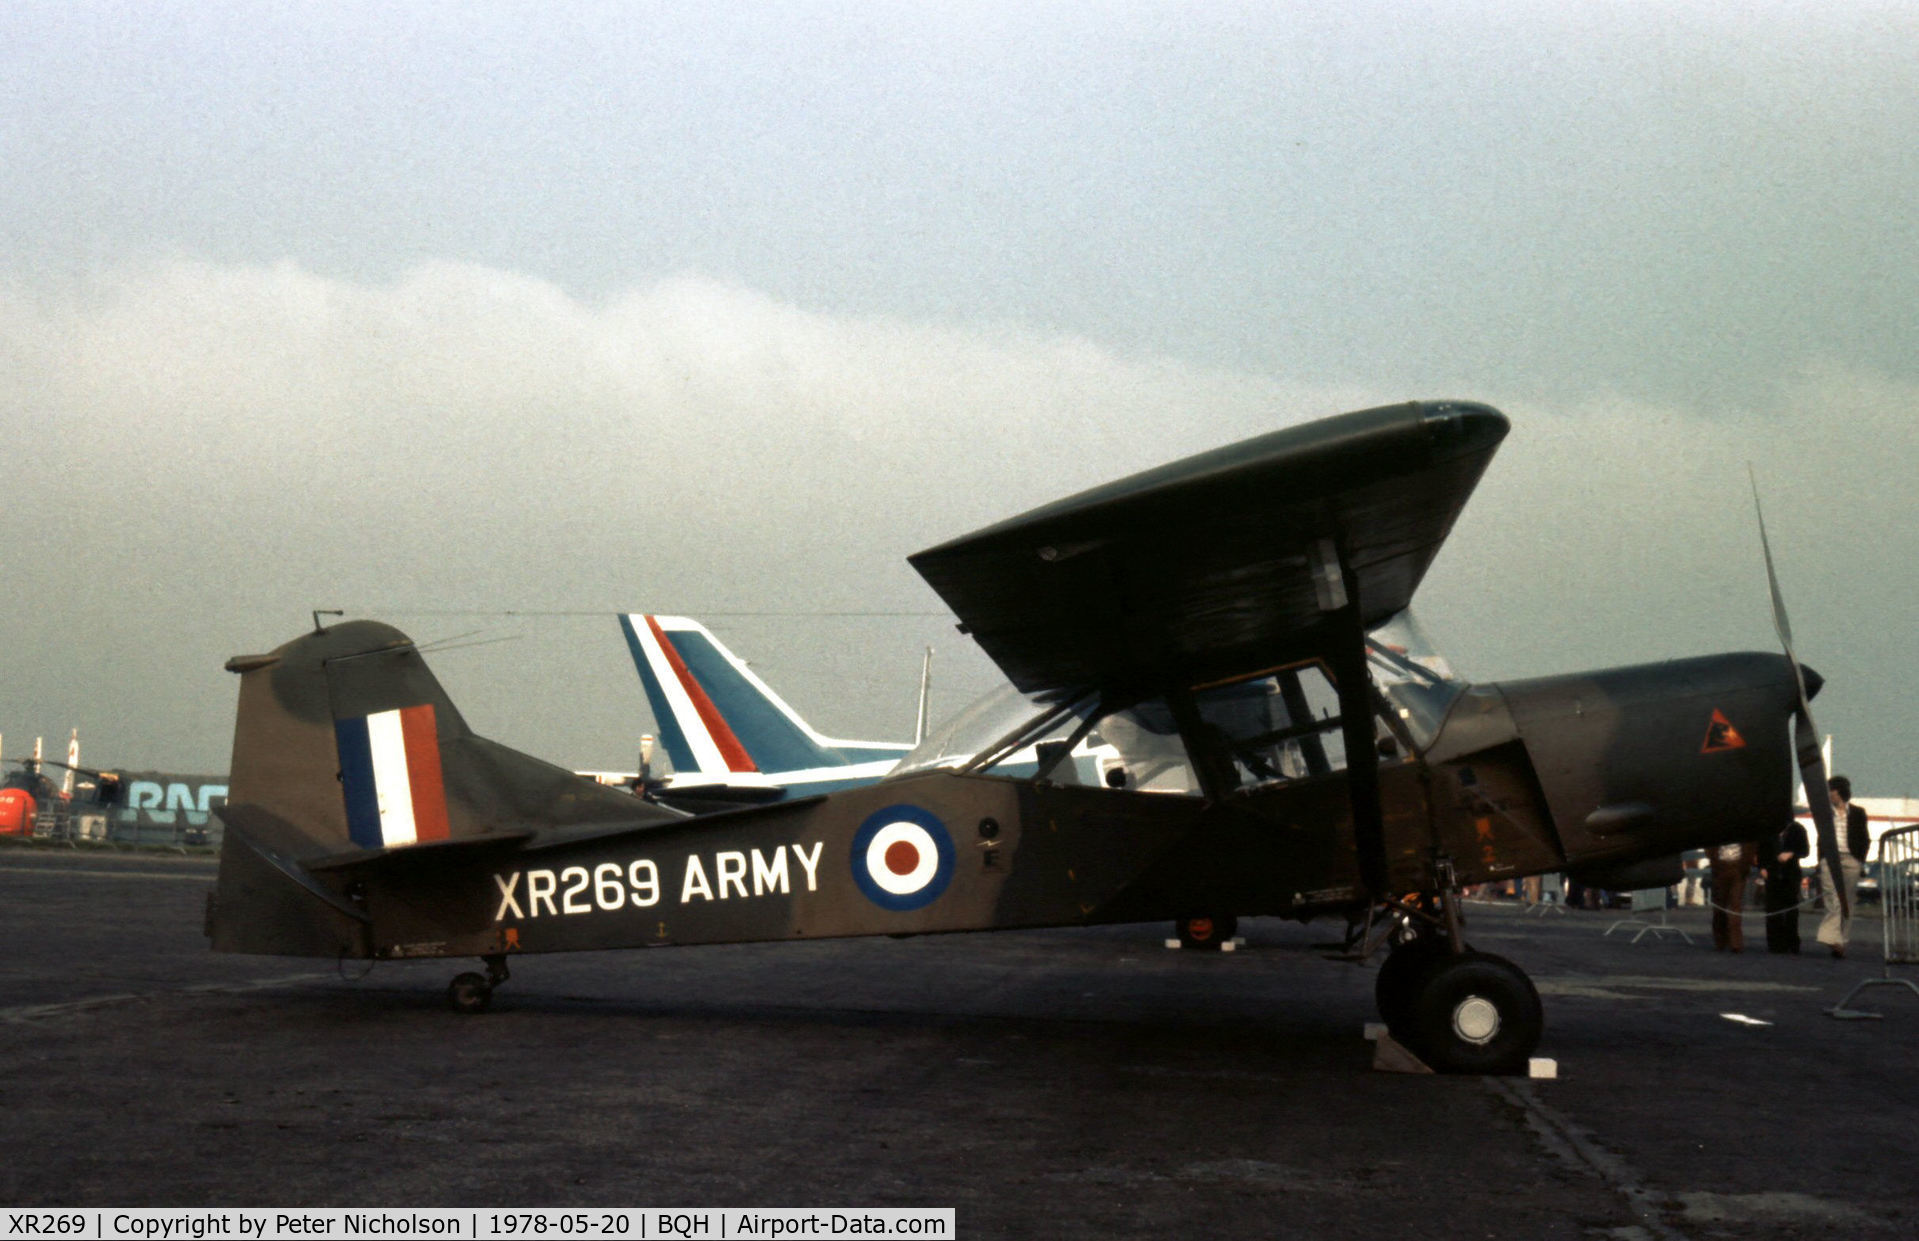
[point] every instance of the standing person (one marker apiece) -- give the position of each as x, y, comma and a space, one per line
1779, 863
1693, 887
1835, 929
1730, 866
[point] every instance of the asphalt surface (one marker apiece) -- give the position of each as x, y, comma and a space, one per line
1056, 1084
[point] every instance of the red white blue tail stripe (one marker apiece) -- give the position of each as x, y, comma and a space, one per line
709, 743
721, 726
390, 774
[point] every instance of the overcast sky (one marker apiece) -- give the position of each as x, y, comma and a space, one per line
717, 309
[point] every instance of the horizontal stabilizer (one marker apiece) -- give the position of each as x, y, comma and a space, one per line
429, 853
267, 901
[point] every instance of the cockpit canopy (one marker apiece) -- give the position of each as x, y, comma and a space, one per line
1278, 726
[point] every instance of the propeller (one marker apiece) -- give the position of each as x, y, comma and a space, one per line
1805, 737
49, 762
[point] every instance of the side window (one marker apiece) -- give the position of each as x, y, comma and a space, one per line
1140, 749
1281, 727
1276, 728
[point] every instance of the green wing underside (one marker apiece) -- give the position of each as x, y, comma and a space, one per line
1219, 564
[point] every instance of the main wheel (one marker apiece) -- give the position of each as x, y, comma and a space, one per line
1206, 933
1397, 986
469, 993
1476, 1013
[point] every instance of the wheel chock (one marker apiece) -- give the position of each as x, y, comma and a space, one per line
1390, 1057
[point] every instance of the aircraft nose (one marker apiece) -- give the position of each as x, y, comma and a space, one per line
1813, 680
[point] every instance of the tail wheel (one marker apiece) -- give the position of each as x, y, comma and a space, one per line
1396, 990
1476, 1013
469, 993
1206, 933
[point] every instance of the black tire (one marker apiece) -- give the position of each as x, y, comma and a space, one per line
1476, 1013
1397, 987
1206, 934
469, 993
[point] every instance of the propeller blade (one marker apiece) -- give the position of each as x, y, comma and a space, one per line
1812, 773
1805, 738
1780, 622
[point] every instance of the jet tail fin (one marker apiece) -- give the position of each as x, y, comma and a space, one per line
716, 719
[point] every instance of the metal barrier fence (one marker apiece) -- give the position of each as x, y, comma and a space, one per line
1899, 901
1649, 900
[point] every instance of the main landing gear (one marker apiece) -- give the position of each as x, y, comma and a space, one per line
473, 992
1458, 1010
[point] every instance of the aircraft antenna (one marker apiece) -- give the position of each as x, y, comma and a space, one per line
926, 686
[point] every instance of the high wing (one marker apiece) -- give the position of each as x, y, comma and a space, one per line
1223, 563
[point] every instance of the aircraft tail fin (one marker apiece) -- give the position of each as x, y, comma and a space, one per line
716, 718
345, 745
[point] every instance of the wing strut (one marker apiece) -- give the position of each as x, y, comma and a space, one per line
1348, 659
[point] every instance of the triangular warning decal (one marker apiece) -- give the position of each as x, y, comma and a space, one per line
1721, 735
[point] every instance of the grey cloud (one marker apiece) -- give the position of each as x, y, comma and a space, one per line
219, 448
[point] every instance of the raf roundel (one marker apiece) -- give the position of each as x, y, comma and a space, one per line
902, 858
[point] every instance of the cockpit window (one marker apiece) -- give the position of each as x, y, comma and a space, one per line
1008, 733
1140, 749
1419, 696
1005, 715
1278, 727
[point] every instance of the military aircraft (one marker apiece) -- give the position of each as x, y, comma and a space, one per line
1207, 619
